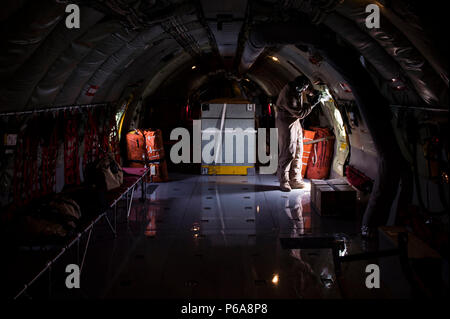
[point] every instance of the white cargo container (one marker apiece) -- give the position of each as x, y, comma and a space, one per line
228, 138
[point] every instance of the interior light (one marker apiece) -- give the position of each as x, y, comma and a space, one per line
345, 87
275, 279
194, 67
274, 58
397, 84
445, 177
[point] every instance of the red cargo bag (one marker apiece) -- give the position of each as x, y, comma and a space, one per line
144, 145
154, 144
136, 149
319, 163
307, 137
159, 172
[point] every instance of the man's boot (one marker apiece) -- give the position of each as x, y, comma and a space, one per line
284, 186
284, 182
296, 183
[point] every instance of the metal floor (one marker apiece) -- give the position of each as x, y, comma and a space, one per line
218, 237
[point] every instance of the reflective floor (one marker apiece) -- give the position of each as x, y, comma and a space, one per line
219, 237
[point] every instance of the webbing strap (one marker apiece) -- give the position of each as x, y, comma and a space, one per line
71, 160
25, 180
49, 155
104, 138
91, 141
145, 146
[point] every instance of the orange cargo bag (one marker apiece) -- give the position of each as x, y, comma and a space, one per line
319, 163
154, 144
144, 145
159, 172
307, 137
136, 149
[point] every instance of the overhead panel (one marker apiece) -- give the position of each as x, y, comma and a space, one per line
225, 19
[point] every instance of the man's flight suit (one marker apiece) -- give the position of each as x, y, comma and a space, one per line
290, 109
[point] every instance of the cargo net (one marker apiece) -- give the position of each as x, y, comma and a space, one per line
48, 165
35, 161
42, 136
101, 137
71, 158
25, 178
91, 142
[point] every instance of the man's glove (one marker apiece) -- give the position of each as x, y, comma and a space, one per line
324, 96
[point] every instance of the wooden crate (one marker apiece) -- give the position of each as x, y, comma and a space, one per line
333, 198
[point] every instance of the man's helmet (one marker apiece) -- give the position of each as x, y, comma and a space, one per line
300, 83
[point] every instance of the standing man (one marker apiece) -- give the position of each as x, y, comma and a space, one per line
295, 101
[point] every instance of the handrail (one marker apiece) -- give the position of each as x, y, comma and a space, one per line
54, 109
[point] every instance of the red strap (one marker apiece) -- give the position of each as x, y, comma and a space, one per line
71, 160
25, 183
105, 135
49, 155
18, 170
91, 141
